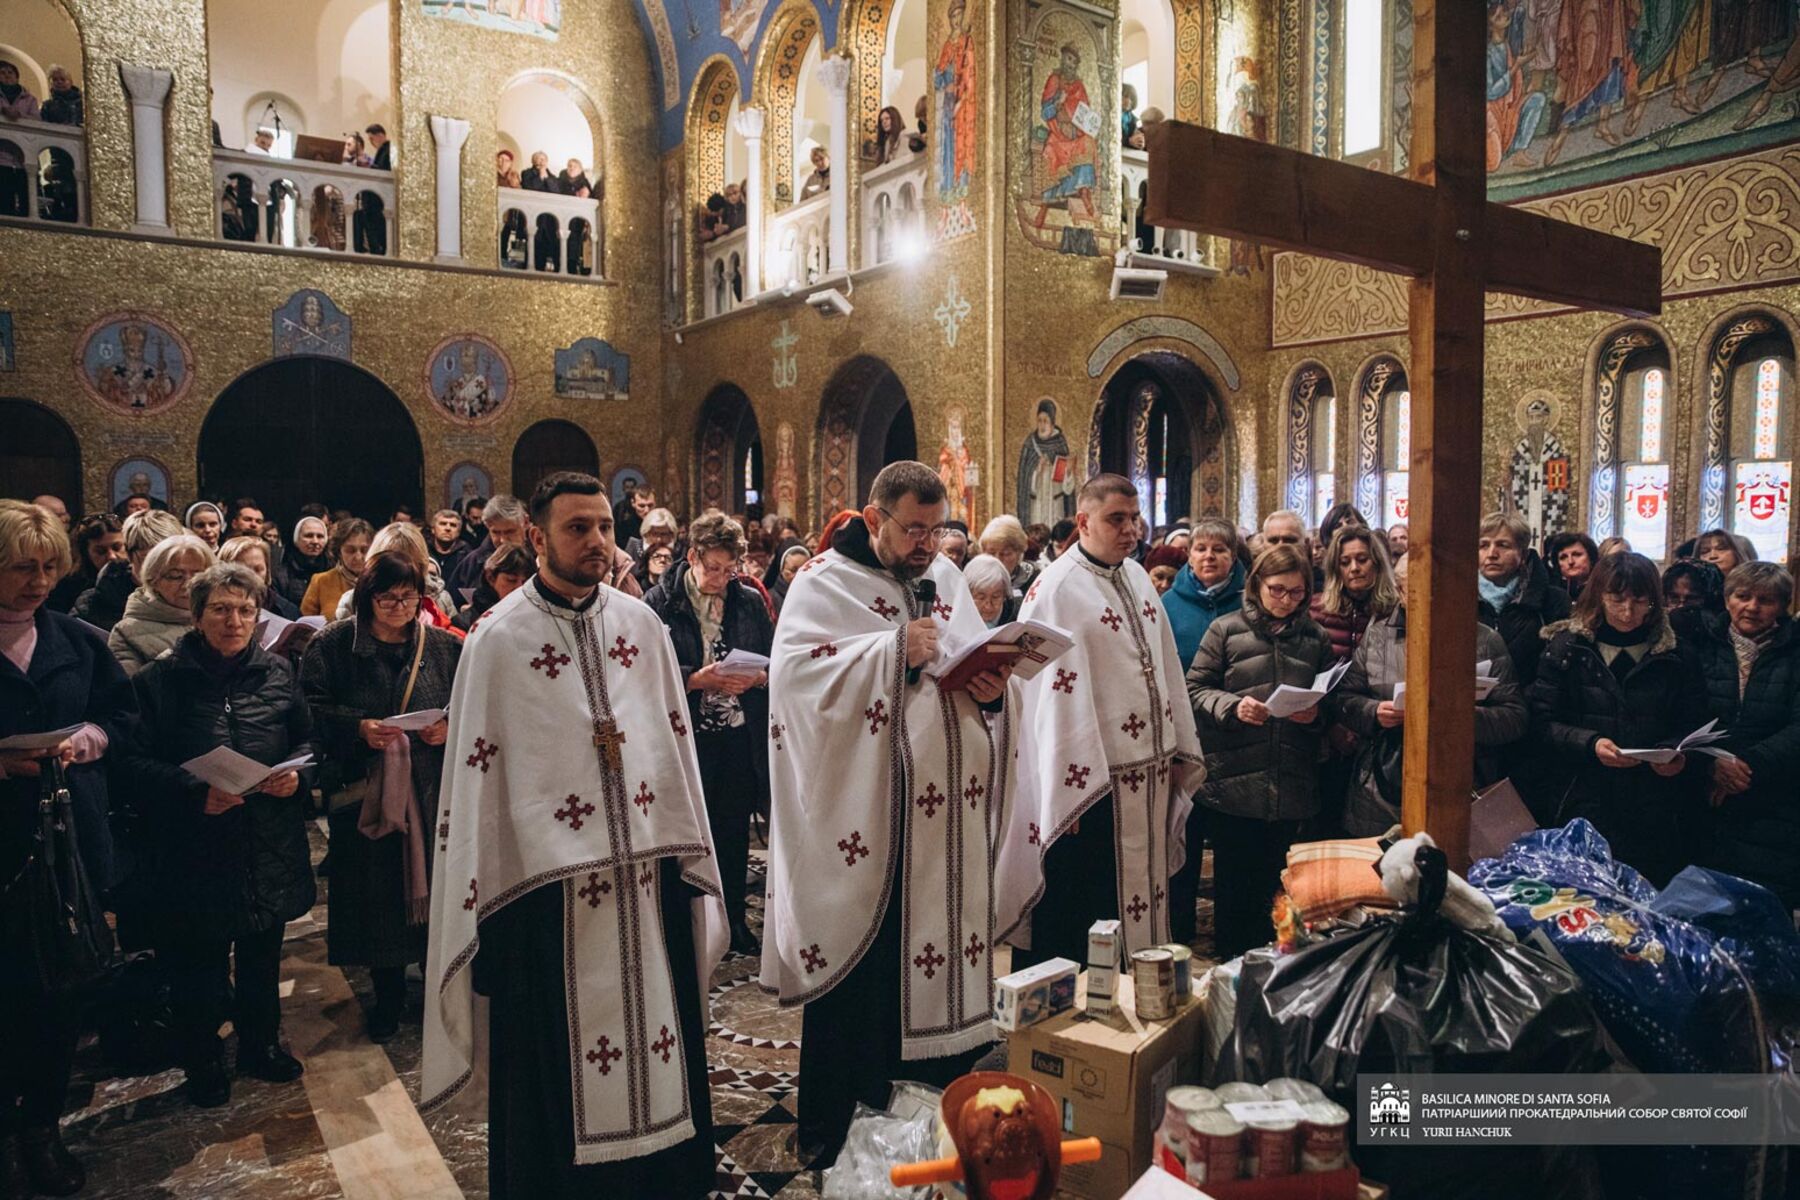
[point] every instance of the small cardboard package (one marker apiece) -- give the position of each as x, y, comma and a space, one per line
1034, 994
1109, 1076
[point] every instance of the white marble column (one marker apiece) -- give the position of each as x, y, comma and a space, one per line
750, 127
834, 73
449, 133
148, 90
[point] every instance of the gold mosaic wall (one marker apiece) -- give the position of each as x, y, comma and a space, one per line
220, 299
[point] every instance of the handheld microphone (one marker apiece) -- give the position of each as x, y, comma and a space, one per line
926, 591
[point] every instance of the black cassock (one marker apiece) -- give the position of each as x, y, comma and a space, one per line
531, 1142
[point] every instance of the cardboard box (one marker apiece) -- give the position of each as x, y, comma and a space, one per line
1109, 1075
1034, 994
1105, 952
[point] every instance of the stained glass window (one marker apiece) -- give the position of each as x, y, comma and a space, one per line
1761, 466
1645, 522
1644, 469
1364, 46
1396, 455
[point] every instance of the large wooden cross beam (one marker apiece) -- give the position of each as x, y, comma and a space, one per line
1437, 227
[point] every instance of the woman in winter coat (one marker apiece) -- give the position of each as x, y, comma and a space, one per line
158, 614
1612, 677
253, 552
308, 555
103, 604
230, 871
1571, 558
1208, 587
710, 611
1359, 588
1363, 701
1261, 770
55, 673
357, 673
1750, 657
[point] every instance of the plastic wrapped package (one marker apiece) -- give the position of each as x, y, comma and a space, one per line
879, 1140
1420, 994
1703, 977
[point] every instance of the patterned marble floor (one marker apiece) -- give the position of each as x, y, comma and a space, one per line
140, 1139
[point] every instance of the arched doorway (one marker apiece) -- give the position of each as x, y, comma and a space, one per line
301, 430
729, 445
39, 455
549, 447
1159, 423
865, 423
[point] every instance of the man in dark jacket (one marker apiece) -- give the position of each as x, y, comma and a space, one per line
505, 520
710, 612
1750, 658
1517, 596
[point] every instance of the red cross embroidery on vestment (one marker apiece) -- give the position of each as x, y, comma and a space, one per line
1137, 908
676, 724
853, 848
931, 799
1132, 779
974, 791
1134, 726
929, 961
940, 609
1065, 681
663, 1045
1149, 612
596, 888
645, 797
876, 716
775, 732
1077, 777
1036, 838
1111, 619
622, 652
813, 959
469, 902
606, 1055
574, 811
550, 662
826, 649
881, 608
484, 751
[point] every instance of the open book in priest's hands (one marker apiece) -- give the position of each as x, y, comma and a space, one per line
1025, 646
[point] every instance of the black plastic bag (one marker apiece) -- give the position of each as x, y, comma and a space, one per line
1419, 995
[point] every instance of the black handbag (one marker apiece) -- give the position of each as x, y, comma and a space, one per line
52, 908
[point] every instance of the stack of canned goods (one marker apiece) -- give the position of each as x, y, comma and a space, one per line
1200, 1137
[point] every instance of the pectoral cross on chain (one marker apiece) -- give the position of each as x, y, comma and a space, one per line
608, 737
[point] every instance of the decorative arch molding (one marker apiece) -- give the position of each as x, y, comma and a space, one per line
865, 26
1212, 431
1718, 346
575, 92
726, 416
786, 40
1372, 382
1606, 371
1174, 329
1305, 383
844, 412
703, 162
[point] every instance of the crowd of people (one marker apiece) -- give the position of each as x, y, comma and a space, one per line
53, 176
151, 640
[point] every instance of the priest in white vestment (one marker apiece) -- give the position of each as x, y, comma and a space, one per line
575, 883
888, 794
1108, 757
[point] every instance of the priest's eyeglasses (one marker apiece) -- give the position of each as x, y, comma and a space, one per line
918, 533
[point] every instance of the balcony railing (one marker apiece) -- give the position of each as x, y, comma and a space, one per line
893, 210
725, 264
43, 172
795, 251
302, 204
1171, 248
550, 233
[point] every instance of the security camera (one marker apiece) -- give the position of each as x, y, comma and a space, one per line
830, 303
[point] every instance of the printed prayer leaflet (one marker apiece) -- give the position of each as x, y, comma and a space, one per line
1701, 741
1287, 699
236, 774
24, 742
412, 722
1484, 683
1027, 646
743, 662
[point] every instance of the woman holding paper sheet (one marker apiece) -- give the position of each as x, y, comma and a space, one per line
55, 675
1364, 702
227, 870
1613, 677
1262, 771
1750, 656
709, 613
383, 790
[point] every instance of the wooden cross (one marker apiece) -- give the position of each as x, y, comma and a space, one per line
610, 739
1438, 228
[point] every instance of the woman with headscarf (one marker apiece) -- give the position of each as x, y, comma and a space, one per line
207, 522
783, 564
308, 555
1690, 583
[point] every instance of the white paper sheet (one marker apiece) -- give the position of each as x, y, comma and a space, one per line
1483, 685
234, 773
743, 662
1700, 741
412, 722
23, 743
1287, 699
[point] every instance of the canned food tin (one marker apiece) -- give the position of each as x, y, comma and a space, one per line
1324, 1137
1172, 1136
1153, 977
1297, 1090
1239, 1093
1271, 1148
1184, 972
1214, 1147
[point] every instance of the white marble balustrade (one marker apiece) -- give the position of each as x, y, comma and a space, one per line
1171, 248
725, 268
893, 210
796, 249
572, 235
291, 202
54, 158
